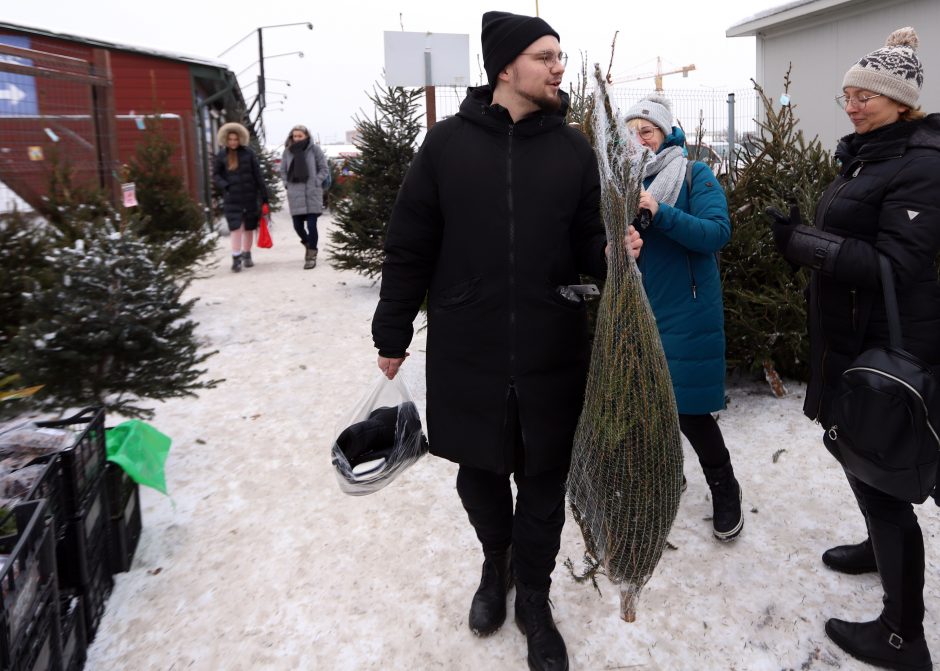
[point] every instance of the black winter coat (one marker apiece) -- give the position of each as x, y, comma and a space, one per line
492, 218
885, 199
244, 188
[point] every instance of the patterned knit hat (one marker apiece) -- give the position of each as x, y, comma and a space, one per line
504, 36
893, 70
655, 109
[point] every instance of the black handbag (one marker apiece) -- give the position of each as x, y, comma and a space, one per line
885, 414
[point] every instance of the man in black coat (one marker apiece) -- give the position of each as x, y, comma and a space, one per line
498, 215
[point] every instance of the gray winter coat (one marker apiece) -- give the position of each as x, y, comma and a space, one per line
306, 197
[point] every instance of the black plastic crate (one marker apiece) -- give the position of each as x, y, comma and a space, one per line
85, 541
74, 643
95, 595
27, 575
83, 462
41, 650
126, 522
48, 486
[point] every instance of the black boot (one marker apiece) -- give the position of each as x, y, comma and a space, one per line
874, 643
851, 559
488, 608
727, 519
246, 260
534, 618
236, 263
896, 639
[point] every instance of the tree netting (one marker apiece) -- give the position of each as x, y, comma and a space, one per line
626, 467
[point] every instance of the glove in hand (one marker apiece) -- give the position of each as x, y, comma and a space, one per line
783, 226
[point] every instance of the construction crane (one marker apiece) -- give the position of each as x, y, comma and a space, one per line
658, 75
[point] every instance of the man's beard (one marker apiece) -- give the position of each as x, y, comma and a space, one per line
544, 103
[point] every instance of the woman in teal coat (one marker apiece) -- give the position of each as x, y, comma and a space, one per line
689, 224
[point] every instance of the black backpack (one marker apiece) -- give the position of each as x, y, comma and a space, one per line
886, 415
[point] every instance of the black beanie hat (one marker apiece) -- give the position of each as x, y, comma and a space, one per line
505, 36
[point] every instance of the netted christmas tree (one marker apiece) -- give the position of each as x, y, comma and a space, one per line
626, 463
386, 142
765, 311
107, 324
170, 219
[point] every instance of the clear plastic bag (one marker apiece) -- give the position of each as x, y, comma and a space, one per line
378, 439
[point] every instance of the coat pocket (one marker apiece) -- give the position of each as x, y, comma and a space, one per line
459, 294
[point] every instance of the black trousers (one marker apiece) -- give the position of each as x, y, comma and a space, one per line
899, 553
533, 529
705, 438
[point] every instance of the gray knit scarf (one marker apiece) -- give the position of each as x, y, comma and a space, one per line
669, 168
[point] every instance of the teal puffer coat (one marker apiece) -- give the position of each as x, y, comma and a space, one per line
680, 274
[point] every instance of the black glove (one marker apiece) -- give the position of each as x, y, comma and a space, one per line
803, 245
783, 226
642, 220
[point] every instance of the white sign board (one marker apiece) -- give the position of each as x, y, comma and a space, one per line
427, 59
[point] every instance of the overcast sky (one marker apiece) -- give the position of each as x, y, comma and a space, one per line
344, 54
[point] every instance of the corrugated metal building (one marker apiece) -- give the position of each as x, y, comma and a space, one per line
823, 39
83, 101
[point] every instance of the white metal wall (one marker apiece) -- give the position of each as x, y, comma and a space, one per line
821, 49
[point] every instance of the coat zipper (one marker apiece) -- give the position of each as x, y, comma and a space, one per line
688, 261
509, 459
512, 259
822, 361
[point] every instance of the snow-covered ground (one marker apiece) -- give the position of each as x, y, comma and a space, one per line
260, 562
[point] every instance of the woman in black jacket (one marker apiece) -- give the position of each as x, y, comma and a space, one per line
883, 202
237, 174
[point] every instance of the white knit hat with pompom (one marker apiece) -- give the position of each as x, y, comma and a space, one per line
653, 108
893, 71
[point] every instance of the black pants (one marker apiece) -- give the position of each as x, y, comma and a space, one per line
534, 528
705, 437
899, 553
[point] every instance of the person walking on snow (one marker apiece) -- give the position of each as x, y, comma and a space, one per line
494, 240
304, 171
237, 174
689, 225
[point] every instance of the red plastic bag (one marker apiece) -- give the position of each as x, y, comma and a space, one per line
264, 235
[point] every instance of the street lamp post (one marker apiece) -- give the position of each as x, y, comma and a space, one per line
260, 96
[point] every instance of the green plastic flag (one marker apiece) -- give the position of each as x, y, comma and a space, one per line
141, 451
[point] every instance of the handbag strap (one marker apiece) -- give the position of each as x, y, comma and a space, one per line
891, 303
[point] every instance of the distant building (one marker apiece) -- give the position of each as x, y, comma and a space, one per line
824, 38
352, 136
84, 102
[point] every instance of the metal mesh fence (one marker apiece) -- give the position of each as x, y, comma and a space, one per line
48, 105
687, 104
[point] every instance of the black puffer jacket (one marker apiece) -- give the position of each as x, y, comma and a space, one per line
492, 218
886, 199
244, 188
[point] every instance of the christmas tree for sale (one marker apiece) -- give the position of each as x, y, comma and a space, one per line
171, 220
272, 180
387, 145
111, 328
765, 310
25, 241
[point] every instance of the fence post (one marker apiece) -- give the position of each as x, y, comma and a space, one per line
731, 162
102, 96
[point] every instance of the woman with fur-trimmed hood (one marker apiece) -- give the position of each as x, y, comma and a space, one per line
304, 171
237, 174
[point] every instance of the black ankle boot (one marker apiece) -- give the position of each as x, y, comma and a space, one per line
851, 559
727, 520
488, 608
236, 263
874, 643
534, 618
